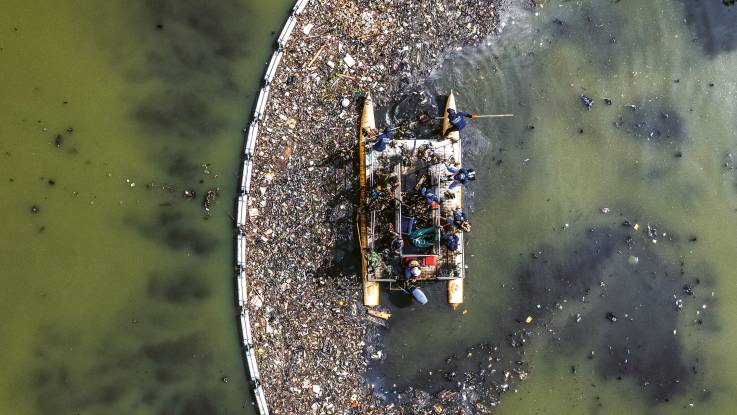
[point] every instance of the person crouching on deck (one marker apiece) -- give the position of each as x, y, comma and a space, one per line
431, 198
459, 220
383, 139
450, 240
413, 270
461, 176
457, 120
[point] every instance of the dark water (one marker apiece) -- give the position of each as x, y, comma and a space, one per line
624, 320
117, 292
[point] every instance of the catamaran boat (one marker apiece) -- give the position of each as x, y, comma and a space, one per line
407, 197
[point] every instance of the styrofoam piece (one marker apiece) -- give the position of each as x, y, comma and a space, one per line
273, 65
287, 30
348, 59
263, 96
306, 29
300, 6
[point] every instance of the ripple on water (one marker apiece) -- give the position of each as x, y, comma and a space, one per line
179, 165
191, 54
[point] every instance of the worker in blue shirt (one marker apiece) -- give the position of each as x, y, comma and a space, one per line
457, 120
461, 176
383, 139
459, 220
450, 240
430, 197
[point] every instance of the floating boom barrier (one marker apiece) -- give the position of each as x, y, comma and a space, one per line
251, 133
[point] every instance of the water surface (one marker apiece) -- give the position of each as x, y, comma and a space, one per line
656, 148
117, 293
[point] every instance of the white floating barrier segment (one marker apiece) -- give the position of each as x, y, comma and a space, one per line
242, 205
271, 69
287, 31
251, 139
241, 295
248, 169
300, 6
263, 96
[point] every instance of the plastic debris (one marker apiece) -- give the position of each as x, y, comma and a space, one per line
587, 102
384, 315
348, 59
301, 330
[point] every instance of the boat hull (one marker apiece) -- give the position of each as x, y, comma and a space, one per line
455, 286
368, 126
450, 102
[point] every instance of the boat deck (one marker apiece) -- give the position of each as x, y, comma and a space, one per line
402, 222
406, 163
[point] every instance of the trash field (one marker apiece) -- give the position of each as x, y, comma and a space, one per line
312, 337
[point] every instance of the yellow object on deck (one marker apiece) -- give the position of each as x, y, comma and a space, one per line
368, 126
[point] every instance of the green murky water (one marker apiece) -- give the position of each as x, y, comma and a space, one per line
116, 292
542, 247
117, 298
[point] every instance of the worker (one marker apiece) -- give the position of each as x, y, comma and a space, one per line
461, 176
397, 243
459, 220
413, 270
377, 192
450, 240
457, 120
376, 197
431, 198
383, 139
